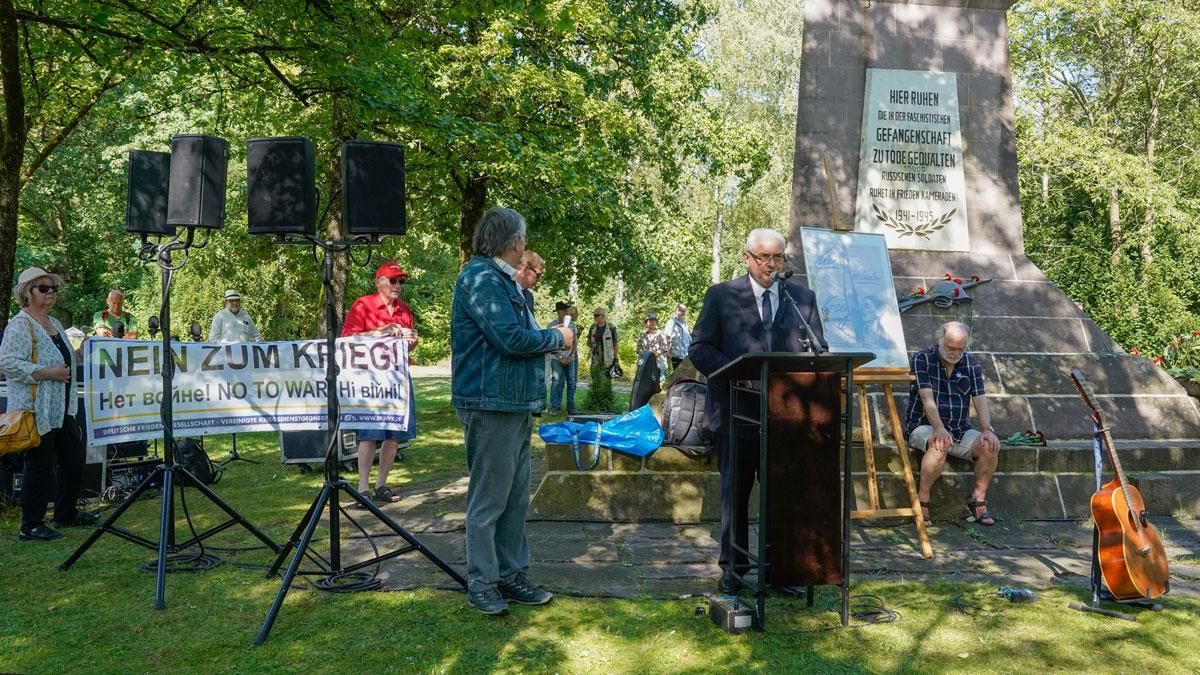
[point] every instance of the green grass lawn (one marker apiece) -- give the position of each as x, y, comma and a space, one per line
98, 616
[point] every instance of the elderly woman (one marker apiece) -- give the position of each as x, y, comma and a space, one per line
44, 385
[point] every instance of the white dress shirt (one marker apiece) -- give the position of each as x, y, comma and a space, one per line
758, 291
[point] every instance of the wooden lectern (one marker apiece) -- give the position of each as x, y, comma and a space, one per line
791, 403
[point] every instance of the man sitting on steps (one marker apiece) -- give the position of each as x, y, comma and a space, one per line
950, 380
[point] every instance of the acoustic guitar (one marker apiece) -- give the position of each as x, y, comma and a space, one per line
1132, 560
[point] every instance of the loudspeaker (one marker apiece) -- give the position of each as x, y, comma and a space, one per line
373, 187
146, 199
196, 195
305, 447
281, 197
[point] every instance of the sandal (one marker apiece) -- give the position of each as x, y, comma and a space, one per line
985, 518
925, 513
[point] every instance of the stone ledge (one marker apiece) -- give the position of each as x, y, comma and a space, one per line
694, 497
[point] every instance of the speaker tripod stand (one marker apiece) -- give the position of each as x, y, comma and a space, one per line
171, 477
335, 575
234, 456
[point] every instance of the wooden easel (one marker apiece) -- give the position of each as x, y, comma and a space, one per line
886, 377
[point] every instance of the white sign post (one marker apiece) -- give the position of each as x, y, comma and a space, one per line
910, 178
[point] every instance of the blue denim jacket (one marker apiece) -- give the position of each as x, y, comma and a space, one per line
495, 352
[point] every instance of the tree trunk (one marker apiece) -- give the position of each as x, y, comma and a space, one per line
1114, 227
12, 148
474, 202
716, 240
334, 228
1152, 117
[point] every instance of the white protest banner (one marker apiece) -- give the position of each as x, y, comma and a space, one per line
242, 387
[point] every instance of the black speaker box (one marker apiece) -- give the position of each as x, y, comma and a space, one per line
196, 194
373, 188
281, 196
306, 447
146, 199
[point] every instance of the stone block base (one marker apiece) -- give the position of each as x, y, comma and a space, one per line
1032, 484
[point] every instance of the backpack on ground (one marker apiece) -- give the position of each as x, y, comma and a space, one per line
683, 418
190, 454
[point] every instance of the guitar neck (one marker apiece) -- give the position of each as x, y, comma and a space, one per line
1115, 460
1102, 430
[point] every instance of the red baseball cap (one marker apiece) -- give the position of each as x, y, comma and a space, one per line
390, 270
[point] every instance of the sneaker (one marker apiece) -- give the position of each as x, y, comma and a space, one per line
81, 519
489, 601
521, 591
384, 495
39, 533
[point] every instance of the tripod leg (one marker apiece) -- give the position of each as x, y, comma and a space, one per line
294, 540
164, 524
294, 566
129, 501
404, 534
212, 497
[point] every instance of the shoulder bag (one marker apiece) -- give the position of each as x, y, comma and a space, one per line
18, 428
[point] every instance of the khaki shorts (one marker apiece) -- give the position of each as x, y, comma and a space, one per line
920, 436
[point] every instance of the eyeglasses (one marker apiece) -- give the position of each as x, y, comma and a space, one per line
398, 281
763, 258
46, 288
537, 275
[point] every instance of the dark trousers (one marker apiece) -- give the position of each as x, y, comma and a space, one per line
735, 531
61, 449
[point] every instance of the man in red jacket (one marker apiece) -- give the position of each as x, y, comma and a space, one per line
381, 314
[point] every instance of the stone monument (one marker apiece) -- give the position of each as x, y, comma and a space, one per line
905, 128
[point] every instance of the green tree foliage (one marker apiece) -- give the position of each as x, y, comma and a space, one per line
1108, 101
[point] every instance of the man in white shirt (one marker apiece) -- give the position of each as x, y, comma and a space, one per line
232, 324
679, 335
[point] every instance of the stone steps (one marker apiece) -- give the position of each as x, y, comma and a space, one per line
1031, 483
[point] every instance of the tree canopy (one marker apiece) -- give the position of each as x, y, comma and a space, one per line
641, 139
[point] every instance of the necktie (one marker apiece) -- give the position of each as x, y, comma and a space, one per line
767, 318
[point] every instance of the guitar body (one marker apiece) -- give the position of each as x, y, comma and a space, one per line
1128, 574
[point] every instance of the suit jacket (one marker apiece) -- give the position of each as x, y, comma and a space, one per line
730, 325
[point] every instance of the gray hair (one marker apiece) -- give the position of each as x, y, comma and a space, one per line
498, 231
761, 234
24, 292
952, 327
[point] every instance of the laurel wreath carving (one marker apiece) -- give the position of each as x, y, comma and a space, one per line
923, 230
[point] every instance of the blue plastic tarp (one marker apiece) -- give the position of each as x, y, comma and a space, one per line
636, 433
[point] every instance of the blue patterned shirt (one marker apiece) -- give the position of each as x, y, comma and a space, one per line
952, 392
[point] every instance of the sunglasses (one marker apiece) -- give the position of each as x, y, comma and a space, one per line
397, 281
46, 288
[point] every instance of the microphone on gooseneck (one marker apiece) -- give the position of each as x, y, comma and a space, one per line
814, 345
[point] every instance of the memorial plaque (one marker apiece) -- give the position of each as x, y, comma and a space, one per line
910, 179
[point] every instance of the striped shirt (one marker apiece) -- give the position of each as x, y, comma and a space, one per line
952, 392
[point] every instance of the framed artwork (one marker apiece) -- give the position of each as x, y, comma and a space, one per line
851, 274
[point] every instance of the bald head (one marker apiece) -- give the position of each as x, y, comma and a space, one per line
115, 301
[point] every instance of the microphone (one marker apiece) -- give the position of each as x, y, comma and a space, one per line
119, 329
152, 323
814, 345
195, 330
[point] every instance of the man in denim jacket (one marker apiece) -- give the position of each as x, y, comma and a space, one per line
498, 364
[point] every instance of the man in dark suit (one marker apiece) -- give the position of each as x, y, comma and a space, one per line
742, 316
